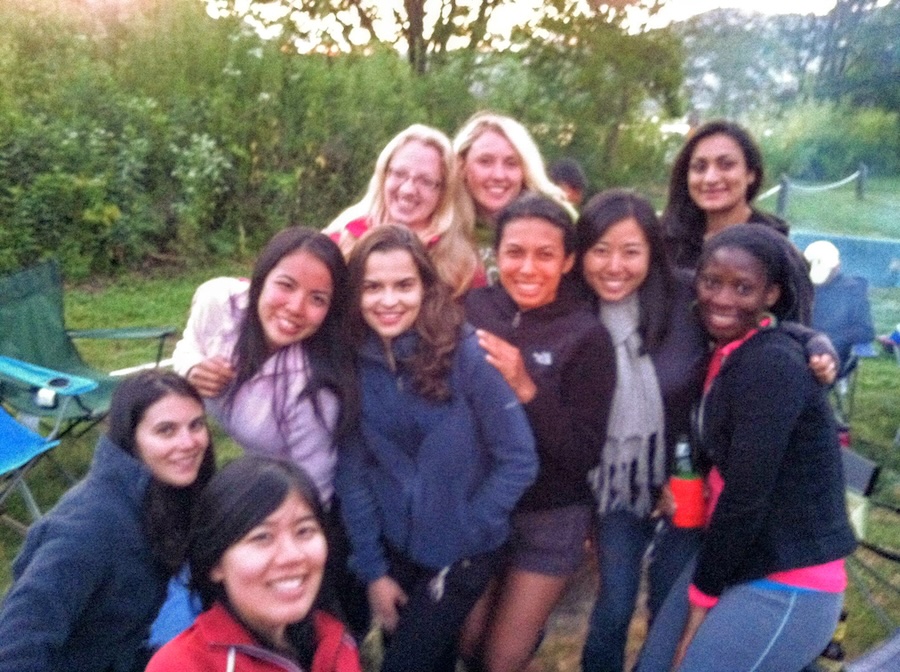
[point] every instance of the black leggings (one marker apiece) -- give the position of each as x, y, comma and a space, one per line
427, 635
342, 593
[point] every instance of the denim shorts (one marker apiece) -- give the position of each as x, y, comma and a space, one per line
550, 541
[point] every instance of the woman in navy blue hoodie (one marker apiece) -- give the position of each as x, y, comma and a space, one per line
442, 453
92, 573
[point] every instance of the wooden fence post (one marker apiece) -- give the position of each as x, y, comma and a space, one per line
861, 181
781, 206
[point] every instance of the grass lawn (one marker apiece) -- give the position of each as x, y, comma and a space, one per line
877, 215
162, 297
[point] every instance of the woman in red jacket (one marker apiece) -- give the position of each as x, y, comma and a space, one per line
257, 556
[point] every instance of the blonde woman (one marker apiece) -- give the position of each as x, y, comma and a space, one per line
415, 184
498, 160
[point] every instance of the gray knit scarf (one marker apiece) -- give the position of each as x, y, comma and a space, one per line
634, 456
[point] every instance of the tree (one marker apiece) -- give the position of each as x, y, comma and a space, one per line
422, 29
417, 27
741, 63
595, 86
861, 54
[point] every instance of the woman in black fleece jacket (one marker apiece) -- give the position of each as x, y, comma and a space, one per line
558, 359
768, 584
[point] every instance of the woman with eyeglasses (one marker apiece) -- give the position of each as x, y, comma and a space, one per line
415, 185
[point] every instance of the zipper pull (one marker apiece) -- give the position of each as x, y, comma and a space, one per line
436, 585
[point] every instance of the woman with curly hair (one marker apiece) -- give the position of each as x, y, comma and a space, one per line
442, 453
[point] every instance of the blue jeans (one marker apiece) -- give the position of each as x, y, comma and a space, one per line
622, 539
752, 629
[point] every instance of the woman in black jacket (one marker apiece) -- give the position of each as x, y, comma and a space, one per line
767, 586
558, 359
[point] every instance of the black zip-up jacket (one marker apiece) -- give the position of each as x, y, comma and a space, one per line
569, 356
766, 424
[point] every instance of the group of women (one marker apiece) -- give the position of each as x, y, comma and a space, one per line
434, 432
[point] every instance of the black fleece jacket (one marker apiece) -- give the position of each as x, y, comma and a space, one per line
570, 358
767, 426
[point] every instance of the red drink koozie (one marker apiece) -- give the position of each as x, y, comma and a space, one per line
690, 503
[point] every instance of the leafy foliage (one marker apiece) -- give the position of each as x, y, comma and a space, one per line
823, 141
150, 132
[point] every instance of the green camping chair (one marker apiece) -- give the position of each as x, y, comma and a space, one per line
32, 329
21, 447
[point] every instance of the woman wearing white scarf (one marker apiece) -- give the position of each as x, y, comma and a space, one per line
660, 356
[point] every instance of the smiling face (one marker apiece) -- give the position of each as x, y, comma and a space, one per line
412, 184
172, 439
493, 172
733, 293
273, 574
618, 263
531, 259
718, 177
295, 299
392, 293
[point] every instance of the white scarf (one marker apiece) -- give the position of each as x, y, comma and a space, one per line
634, 456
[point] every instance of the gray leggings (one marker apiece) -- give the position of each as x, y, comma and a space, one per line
751, 629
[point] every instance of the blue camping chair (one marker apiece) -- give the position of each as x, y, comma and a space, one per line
21, 446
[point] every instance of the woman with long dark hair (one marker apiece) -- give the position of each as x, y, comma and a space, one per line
715, 177
271, 358
661, 352
93, 571
269, 355
442, 454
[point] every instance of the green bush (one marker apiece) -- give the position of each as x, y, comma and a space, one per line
820, 142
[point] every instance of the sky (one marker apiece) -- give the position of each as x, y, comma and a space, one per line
510, 13
677, 10
680, 9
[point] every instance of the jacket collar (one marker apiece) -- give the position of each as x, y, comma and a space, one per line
113, 464
567, 299
403, 347
222, 630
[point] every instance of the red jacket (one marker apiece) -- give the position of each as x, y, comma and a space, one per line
205, 647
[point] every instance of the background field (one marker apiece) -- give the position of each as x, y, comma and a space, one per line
161, 295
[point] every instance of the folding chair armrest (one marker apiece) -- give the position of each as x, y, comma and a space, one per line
860, 473
123, 332
158, 333
41, 377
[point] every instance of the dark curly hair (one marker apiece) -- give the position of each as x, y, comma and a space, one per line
439, 320
771, 250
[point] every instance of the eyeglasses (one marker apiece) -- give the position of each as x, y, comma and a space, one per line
419, 181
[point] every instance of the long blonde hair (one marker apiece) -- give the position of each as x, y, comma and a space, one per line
518, 136
454, 253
